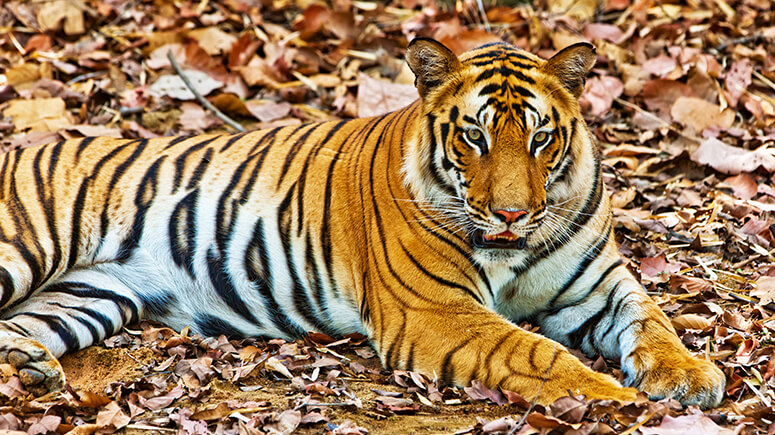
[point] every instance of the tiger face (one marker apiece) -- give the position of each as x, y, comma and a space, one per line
501, 129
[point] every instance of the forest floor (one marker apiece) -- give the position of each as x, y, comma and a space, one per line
682, 102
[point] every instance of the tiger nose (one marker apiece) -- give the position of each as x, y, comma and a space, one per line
509, 216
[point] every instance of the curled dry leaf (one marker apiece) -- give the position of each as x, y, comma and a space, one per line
275, 365
690, 321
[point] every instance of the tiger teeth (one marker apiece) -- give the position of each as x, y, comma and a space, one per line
510, 237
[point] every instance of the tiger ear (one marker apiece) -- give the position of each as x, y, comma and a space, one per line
571, 65
431, 62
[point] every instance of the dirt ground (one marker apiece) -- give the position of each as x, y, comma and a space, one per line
95, 368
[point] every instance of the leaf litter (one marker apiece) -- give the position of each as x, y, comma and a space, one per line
682, 102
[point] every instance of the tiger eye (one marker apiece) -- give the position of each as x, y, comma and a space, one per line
540, 137
474, 135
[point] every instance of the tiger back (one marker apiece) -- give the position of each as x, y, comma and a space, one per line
432, 230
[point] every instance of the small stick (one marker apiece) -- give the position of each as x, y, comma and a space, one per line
535, 399
233, 124
484, 15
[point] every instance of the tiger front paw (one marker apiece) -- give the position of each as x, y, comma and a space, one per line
39, 371
690, 380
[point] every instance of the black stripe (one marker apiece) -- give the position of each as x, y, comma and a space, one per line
291, 154
221, 280
554, 310
582, 267
56, 325
232, 198
301, 300
232, 140
576, 337
259, 272
103, 320
437, 278
119, 171
84, 290
447, 371
181, 162
215, 327
82, 145
182, 231
144, 197
325, 230
177, 140
6, 284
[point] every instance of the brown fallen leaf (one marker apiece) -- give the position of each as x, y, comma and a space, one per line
217, 413
653, 266
765, 290
40, 114
51, 15
599, 94
690, 321
694, 423
733, 160
213, 40
744, 186
700, 114
112, 415
376, 97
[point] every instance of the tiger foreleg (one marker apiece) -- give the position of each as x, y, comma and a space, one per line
464, 341
655, 361
620, 321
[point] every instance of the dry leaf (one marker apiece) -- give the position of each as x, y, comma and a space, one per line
690, 321
112, 415
275, 365
377, 97
40, 114
213, 40
51, 15
174, 87
733, 160
765, 290
700, 114
267, 111
599, 94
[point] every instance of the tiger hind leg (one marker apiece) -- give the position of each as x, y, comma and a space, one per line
69, 314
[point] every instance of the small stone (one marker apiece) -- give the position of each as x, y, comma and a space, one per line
30, 376
4, 357
17, 358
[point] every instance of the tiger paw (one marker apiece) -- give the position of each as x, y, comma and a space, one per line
690, 380
39, 371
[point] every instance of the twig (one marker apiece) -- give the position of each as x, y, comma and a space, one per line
484, 15
742, 40
656, 118
521, 421
640, 423
149, 428
233, 124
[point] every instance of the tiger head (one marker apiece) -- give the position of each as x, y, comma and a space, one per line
501, 139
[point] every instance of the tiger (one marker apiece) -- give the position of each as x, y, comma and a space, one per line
433, 230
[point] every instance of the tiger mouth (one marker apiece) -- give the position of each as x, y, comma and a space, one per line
504, 240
